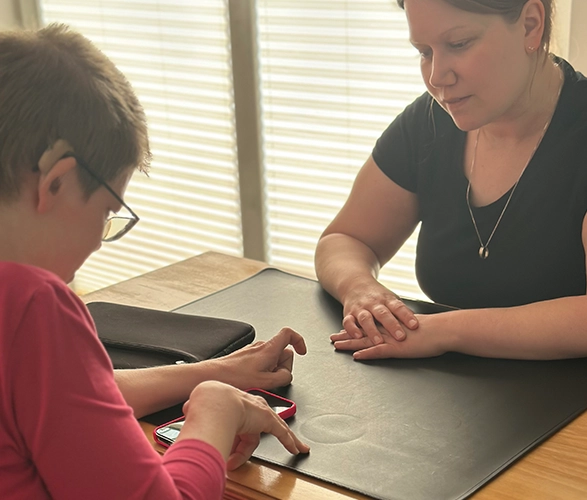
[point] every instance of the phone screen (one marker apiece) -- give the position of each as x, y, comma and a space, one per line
167, 434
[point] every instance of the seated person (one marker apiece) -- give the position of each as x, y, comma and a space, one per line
71, 134
492, 161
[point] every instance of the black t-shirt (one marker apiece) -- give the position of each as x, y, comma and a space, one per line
536, 252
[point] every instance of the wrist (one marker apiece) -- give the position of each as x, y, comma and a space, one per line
439, 324
210, 369
214, 415
355, 285
436, 328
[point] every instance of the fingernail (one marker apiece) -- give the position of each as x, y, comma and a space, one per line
377, 339
413, 323
358, 335
400, 334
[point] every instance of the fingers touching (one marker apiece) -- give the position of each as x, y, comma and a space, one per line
232, 421
377, 319
277, 349
260, 418
285, 337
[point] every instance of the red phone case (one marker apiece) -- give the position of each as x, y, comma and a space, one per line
287, 409
157, 439
284, 407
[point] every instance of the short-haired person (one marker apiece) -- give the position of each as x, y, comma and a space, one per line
71, 134
492, 161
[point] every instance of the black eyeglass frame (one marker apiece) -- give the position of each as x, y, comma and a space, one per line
131, 222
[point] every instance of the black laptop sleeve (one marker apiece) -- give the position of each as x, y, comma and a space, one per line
135, 337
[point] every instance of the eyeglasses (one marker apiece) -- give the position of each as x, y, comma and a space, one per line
116, 226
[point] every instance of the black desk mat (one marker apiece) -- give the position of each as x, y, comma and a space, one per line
434, 428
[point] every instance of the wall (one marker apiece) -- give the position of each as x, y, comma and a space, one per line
9, 15
578, 38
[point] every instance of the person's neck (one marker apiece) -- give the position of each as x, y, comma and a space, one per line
18, 241
534, 109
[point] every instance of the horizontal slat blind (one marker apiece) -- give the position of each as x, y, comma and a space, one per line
176, 55
334, 74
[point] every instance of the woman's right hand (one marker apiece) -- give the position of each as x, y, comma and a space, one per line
232, 421
371, 310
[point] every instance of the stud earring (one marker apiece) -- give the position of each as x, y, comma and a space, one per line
531, 49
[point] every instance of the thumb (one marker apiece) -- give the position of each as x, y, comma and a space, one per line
279, 378
242, 449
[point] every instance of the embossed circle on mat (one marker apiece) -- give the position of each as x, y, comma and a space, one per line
333, 428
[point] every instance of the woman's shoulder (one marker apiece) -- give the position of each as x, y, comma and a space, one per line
420, 125
25, 277
19, 283
574, 92
37, 305
572, 76
405, 147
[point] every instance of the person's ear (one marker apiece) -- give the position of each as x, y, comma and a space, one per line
50, 185
533, 16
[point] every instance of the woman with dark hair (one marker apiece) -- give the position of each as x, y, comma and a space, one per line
492, 161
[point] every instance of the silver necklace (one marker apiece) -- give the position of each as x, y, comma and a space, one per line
484, 247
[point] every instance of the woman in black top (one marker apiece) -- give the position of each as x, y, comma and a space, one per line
492, 161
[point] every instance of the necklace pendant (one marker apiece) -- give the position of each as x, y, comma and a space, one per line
483, 252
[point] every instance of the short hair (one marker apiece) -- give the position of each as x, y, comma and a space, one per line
510, 10
55, 84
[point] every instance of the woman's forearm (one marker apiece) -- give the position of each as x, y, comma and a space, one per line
553, 329
343, 262
149, 390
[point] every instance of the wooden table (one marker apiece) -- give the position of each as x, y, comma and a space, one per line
557, 469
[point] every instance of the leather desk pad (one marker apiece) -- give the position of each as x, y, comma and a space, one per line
434, 428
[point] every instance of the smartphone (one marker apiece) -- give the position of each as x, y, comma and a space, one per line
167, 433
285, 408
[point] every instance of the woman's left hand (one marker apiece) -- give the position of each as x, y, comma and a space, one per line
419, 343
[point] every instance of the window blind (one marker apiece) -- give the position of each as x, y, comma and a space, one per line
176, 55
334, 74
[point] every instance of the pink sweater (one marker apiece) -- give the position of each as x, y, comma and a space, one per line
65, 429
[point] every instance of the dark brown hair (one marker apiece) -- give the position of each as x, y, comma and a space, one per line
55, 84
510, 10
